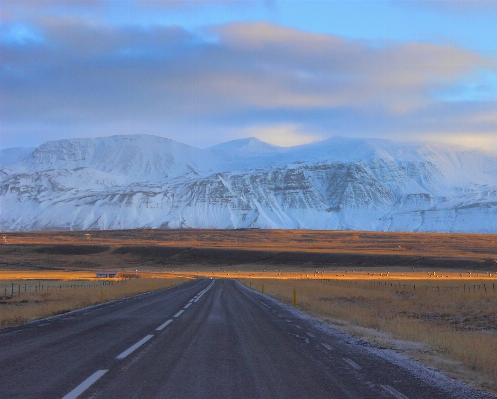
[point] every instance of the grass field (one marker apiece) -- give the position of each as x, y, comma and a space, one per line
453, 318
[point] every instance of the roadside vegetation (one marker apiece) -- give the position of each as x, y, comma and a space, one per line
25, 300
453, 318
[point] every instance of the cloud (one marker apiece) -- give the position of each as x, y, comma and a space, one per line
91, 78
300, 69
467, 139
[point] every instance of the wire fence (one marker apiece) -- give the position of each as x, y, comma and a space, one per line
11, 290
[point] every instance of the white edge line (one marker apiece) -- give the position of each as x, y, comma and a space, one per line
85, 384
179, 313
131, 349
394, 392
164, 325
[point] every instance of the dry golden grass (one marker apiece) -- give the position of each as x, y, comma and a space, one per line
457, 323
63, 275
54, 300
394, 273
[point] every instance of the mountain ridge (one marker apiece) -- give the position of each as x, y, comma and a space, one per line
147, 181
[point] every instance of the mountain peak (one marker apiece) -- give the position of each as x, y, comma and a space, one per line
246, 146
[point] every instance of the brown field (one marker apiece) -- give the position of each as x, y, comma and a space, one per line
293, 250
436, 290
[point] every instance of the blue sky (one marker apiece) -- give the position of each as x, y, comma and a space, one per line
288, 72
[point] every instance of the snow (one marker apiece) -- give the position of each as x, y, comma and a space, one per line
146, 181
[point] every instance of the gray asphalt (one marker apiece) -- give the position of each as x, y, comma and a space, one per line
228, 343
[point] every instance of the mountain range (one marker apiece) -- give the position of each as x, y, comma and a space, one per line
142, 181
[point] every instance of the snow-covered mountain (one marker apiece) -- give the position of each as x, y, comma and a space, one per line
150, 182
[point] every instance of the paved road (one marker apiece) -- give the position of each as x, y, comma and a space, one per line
203, 339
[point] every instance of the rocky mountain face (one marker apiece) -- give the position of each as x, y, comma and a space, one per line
142, 181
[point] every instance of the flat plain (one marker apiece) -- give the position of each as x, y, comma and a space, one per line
158, 250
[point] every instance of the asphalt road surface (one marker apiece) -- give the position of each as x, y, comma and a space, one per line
203, 339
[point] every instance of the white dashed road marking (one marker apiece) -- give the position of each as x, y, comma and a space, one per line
85, 385
161, 327
131, 349
95, 376
352, 363
327, 347
199, 295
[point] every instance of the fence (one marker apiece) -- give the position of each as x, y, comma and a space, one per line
9, 291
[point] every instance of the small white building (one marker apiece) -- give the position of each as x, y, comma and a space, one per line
107, 274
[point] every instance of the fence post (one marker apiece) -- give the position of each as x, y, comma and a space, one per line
294, 297
263, 288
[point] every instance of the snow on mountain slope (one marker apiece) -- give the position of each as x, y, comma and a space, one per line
246, 147
145, 181
136, 157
